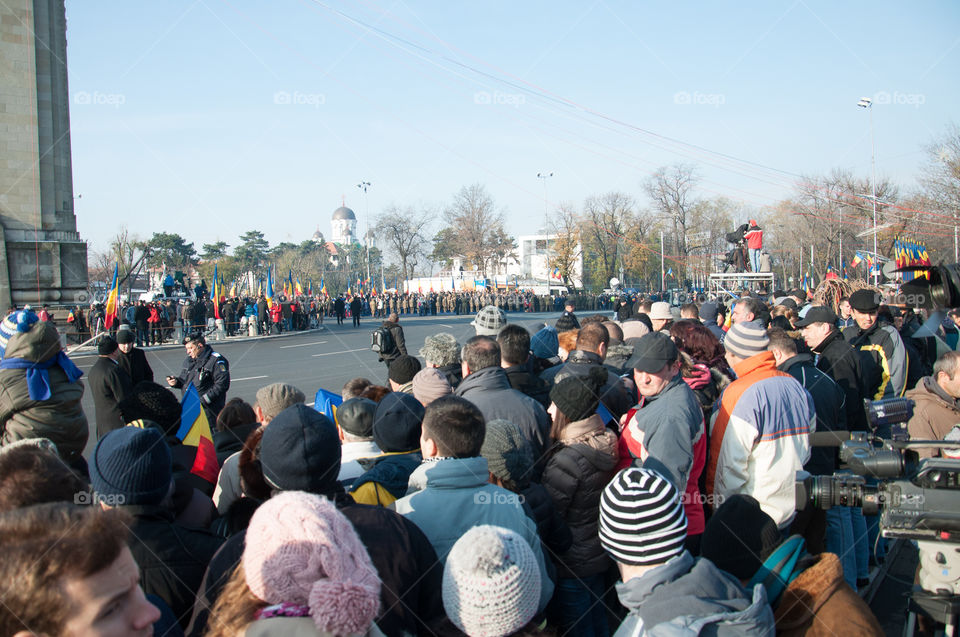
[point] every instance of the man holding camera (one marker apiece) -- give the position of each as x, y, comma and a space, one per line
937, 399
207, 370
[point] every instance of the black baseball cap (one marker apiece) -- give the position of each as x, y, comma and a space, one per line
817, 314
652, 352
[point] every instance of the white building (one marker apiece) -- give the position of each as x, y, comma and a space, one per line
533, 259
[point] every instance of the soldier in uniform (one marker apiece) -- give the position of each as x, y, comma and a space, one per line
207, 370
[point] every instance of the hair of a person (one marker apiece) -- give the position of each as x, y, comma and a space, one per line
393, 317
947, 363
45, 544
568, 340
30, 475
559, 424
591, 337
375, 392
614, 331
691, 309
354, 387
252, 483
779, 339
514, 343
694, 338
235, 608
481, 352
456, 426
593, 318
754, 306
441, 350
236, 413
645, 306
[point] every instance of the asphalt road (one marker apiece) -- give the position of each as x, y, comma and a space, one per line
309, 360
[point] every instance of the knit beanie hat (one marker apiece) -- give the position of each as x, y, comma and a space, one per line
274, 398
578, 396
641, 518
397, 423
739, 536
403, 369
19, 322
131, 466
508, 453
150, 401
430, 384
355, 416
124, 336
544, 343
107, 345
489, 321
300, 451
746, 339
491, 582
301, 550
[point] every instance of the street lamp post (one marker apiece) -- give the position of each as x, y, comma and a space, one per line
867, 103
546, 223
363, 185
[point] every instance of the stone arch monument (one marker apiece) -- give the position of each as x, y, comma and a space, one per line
42, 259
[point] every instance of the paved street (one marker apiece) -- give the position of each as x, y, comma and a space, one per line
309, 360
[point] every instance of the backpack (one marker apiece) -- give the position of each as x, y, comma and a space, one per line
381, 341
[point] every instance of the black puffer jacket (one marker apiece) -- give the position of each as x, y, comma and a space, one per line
523, 379
553, 530
579, 468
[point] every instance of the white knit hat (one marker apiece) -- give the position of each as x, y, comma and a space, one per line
641, 518
491, 582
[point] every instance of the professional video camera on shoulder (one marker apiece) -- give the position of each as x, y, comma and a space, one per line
916, 499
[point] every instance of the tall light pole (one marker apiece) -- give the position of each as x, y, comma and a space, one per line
867, 103
363, 185
546, 223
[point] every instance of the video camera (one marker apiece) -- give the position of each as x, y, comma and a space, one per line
916, 499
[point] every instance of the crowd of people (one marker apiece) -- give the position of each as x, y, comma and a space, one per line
156, 322
593, 476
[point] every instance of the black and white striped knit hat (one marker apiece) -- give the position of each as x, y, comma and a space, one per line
641, 518
746, 339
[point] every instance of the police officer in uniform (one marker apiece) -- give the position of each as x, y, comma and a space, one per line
207, 370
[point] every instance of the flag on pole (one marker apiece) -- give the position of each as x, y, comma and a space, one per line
195, 432
269, 291
299, 288
112, 311
856, 260
323, 286
216, 293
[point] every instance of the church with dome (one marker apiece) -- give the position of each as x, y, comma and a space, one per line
343, 227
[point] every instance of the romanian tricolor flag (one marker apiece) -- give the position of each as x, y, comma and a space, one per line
269, 292
323, 287
299, 287
856, 260
112, 311
216, 293
195, 432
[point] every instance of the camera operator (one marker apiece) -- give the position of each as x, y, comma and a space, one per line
937, 400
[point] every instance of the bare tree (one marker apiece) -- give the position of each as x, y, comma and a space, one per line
670, 189
474, 230
405, 233
567, 246
606, 220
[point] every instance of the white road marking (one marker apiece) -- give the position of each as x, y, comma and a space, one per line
346, 351
302, 345
235, 380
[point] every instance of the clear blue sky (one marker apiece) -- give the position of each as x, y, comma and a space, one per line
213, 117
